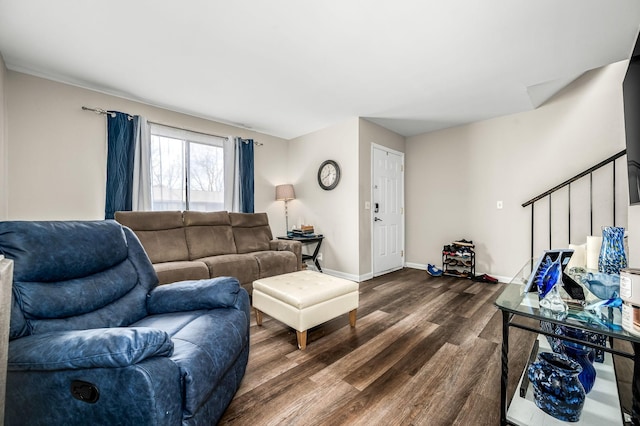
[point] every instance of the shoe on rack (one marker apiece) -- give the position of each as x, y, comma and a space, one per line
463, 242
433, 270
463, 252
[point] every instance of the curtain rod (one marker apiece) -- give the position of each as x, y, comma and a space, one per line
99, 111
195, 131
113, 114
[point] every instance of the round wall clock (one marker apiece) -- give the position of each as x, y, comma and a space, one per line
328, 175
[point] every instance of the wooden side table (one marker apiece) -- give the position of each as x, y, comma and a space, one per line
317, 239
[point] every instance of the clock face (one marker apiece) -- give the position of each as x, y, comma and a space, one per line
328, 175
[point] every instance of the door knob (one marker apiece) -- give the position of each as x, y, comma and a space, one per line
377, 219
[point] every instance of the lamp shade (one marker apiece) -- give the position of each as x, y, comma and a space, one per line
285, 192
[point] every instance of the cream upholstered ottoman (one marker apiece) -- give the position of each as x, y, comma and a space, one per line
304, 299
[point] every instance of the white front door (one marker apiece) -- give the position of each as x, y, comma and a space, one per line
387, 210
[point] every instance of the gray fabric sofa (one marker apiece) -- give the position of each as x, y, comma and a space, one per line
194, 245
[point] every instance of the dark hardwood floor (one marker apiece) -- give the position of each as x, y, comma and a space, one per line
425, 351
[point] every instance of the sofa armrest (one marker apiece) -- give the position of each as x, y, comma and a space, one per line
184, 296
95, 348
288, 245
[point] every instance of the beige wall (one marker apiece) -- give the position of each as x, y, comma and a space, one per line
370, 133
4, 161
455, 176
333, 213
452, 182
58, 151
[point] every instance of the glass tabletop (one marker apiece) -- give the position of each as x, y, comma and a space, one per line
607, 321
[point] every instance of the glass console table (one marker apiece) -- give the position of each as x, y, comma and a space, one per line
516, 306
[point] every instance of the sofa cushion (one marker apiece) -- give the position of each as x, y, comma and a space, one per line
251, 231
193, 295
272, 263
81, 248
85, 282
244, 267
150, 221
213, 338
161, 234
208, 234
171, 272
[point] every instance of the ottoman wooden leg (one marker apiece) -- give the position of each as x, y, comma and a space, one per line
352, 317
258, 316
302, 339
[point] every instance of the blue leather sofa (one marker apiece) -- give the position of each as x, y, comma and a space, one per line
95, 340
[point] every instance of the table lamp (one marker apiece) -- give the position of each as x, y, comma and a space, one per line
285, 193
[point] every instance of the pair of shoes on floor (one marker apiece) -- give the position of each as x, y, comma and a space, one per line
433, 270
486, 279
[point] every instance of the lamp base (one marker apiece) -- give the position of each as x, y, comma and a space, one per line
286, 217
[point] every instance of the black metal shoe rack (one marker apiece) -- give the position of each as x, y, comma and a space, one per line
455, 265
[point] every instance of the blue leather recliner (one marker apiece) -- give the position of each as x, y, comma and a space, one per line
94, 340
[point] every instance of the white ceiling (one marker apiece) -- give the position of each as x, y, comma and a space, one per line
290, 67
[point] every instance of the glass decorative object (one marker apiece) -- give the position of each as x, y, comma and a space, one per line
556, 388
603, 286
612, 256
581, 354
597, 355
549, 281
554, 342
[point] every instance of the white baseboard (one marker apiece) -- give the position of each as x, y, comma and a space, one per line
366, 276
339, 274
369, 275
424, 268
416, 266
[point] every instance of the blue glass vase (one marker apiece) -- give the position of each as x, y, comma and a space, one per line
612, 256
556, 388
580, 354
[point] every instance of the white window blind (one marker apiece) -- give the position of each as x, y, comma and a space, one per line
187, 170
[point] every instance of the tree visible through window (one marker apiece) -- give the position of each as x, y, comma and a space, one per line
187, 173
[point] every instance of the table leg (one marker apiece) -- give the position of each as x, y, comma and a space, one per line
314, 256
504, 375
635, 385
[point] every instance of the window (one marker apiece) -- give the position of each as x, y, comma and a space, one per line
187, 170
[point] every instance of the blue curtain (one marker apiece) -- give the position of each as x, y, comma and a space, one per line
120, 157
246, 175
